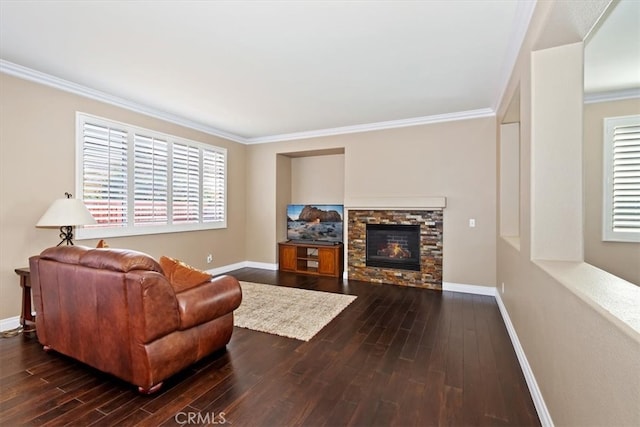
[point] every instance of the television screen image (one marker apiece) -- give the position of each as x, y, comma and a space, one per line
315, 223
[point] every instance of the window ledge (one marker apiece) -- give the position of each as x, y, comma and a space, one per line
615, 298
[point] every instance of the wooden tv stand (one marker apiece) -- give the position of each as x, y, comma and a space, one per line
309, 258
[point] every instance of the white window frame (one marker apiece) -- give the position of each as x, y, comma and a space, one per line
131, 229
609, 232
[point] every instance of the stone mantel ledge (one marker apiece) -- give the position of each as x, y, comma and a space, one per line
404, 203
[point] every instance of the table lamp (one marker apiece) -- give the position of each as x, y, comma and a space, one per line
66, 213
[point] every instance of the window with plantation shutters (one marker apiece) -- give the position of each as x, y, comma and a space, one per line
186, 183
150, 180
622, 179
213, 177
138, 181
104, 174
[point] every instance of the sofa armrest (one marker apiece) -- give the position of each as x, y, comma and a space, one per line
208, 301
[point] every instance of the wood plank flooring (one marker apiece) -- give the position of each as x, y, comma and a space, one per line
394, 357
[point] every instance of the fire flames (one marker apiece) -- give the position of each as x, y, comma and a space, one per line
395, 250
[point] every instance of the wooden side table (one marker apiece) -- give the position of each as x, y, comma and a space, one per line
27, 319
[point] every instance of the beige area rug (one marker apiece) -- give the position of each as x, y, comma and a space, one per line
289, 312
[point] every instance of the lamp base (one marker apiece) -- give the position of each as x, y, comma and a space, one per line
66, 234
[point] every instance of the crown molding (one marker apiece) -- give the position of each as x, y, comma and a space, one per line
392, 124
615, 95
67, 86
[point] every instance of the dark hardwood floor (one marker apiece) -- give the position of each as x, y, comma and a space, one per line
395, 356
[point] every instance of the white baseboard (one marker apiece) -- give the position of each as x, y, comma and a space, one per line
469, 289
244, 264
262, 265
536, 394
227, 268
9, 323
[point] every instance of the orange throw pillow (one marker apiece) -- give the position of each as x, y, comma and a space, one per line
182, 276
102, 244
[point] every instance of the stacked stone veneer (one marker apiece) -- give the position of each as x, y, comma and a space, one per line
430, 221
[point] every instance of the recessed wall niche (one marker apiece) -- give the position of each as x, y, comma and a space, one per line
510, 172
308, 177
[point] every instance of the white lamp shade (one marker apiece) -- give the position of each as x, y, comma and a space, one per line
66, 212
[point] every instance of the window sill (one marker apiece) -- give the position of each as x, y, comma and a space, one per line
102, 233
615, 298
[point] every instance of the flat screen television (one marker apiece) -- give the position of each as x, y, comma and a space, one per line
315, 223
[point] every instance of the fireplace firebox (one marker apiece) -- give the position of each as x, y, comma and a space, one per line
394, 246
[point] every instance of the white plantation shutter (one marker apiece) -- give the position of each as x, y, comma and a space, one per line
151, 180
186, 183
213, 185
137, 181
622, 180
104, 174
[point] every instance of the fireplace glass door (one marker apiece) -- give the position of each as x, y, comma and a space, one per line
393, 246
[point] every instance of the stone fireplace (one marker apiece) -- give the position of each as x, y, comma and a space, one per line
397, 246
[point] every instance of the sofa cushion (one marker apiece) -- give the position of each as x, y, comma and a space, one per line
102, 244
182, 276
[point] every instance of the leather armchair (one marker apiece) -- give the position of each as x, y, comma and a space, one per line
114, 309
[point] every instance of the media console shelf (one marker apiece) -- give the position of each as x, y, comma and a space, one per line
309, 258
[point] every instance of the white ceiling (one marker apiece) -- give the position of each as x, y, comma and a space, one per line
259, 71
612, 51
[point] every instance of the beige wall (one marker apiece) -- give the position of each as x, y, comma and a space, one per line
619, 258
37, 152
456, 160
317, 179
556, 202
284, 185
263, 201
510, 180
584, 357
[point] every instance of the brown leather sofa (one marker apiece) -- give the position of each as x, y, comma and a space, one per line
114, 309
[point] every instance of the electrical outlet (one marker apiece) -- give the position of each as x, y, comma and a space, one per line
209, 258
472, 222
